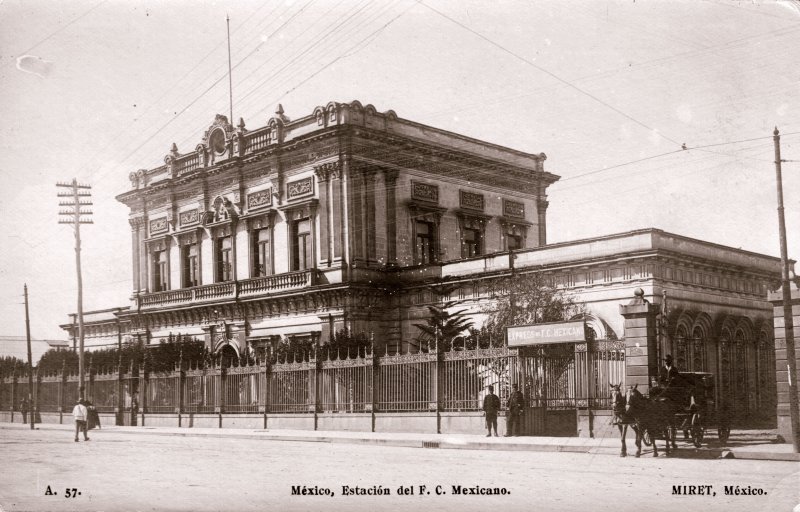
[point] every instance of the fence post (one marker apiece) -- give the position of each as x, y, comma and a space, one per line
267, 366
439, 374
223, 380
376, 381
119, 407
36, 418
144, 380
181, 384
13, 392
62, 392
317, 372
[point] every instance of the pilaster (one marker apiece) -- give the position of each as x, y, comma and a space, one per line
641, 356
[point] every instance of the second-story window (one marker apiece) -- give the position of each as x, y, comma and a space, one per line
262, 264
473, 243
159, 271
301, 245
224, 260
513, 242
424, 250
190, 267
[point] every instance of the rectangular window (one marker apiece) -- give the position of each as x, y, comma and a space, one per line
262, 265
301, 245
159, 271
514, 242
472, 243
223, 259
425, 247
190, 269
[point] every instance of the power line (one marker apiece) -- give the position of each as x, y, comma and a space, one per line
63, 27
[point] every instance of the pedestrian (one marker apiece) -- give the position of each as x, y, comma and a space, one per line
92, 417
491, 405
80, 413
23, 407
516, 405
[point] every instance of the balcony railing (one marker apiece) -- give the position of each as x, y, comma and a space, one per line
278, 282
229, 290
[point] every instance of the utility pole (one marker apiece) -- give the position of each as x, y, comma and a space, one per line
31, 405
788, 321
74, 214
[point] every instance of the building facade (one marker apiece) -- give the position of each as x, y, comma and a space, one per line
351, 218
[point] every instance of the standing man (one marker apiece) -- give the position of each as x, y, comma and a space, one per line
80, 413
23, 407
516, 404
491, 405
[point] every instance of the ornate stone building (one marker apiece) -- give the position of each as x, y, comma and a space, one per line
348, 216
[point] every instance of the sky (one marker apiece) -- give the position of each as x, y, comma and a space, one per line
611, 91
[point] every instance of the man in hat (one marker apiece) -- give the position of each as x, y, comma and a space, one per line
80, 413
668, 373
491, 405
516, 404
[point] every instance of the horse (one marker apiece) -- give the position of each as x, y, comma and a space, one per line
651, 416
620, 417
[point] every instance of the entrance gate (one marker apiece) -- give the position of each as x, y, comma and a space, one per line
548, 379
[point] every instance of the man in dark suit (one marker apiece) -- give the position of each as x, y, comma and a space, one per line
516, 404
668, 373
491, 405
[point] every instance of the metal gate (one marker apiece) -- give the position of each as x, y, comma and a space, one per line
547, 377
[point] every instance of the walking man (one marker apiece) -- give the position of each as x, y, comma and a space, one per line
23, 407
491, 405
80, 413
516, 403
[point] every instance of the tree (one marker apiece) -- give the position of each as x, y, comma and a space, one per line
526, 299
443, 326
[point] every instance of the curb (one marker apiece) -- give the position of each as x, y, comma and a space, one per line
708, 453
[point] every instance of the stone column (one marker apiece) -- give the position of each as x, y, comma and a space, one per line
541, 207
781, 362
338, 213
323, 174
137, 241
369, 216
390, 181
641, 356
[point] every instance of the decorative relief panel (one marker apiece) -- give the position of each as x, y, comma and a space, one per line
259, 199
188, 217
158, 226
471, 200
300, 188
424, 192
513, 209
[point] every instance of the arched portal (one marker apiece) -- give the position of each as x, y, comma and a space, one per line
228, 355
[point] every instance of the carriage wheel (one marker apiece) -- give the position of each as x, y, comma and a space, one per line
723, 433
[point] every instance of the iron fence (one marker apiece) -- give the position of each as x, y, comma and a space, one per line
551, 377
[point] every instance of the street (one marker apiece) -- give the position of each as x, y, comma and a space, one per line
126, 471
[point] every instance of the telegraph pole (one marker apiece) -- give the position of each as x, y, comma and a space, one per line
31, 405
74, 214
788, 321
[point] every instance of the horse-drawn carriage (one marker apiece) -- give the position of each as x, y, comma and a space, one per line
687, 403
696, 407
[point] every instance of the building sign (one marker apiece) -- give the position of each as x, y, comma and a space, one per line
542, 334
424, 192
300, 188
471, 200
513, 209
259, 199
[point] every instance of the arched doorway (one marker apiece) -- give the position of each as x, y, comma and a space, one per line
228, 355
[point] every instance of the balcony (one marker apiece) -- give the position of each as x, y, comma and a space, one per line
247, 288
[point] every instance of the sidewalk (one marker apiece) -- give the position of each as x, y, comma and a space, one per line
760, 445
